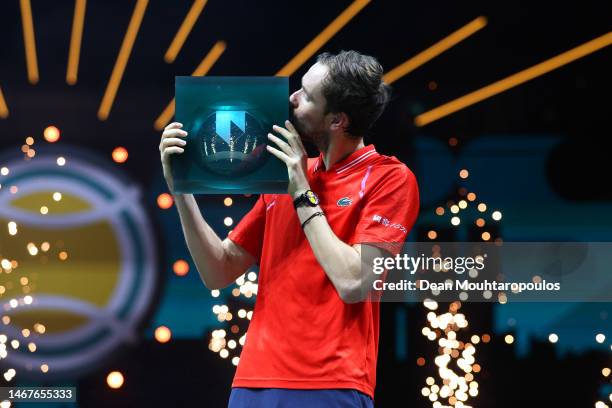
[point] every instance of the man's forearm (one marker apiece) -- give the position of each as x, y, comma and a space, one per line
340, 261
205, 246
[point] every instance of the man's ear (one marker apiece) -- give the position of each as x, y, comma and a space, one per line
340, 121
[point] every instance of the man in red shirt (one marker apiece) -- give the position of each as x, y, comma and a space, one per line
313, 338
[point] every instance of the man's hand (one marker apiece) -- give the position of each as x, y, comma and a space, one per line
172, 142
293, 155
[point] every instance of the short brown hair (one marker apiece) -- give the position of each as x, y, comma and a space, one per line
354, 85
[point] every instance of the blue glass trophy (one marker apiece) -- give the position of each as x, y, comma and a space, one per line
228, 119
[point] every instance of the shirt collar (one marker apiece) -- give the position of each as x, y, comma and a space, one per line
350, 162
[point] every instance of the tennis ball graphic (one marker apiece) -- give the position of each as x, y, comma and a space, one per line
85, 255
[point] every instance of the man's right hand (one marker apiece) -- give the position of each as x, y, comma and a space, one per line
172, 142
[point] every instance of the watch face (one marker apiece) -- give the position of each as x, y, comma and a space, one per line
312, 198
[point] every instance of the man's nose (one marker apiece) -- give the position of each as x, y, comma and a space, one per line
293, 99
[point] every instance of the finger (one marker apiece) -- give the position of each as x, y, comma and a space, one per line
174, 133
174, 125
287, 134
282, 156
171, 141
283, 145
298, 139
290, 137
171, 150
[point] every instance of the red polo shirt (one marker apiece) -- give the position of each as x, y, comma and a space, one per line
302, 335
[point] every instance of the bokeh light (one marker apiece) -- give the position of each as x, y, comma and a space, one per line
120, 154
51, 134
180, 267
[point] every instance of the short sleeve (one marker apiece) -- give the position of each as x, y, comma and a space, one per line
389, 211
249, 233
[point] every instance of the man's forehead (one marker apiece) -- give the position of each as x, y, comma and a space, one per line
315, 75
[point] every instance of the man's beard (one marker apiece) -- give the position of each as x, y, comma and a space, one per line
319, 138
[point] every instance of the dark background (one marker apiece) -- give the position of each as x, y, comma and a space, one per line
572, 103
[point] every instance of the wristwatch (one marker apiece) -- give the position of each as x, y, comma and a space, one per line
308, 198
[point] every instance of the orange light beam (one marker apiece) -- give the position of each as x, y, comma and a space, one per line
4, 112
435, 50
184, 30
122, 59
514, 80
320, 40
29, 40
207, 63
75, 41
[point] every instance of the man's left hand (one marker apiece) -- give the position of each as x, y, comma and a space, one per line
293, 155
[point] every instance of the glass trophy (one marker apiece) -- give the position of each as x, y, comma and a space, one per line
228, 119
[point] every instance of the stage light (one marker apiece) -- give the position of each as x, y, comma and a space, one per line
435, 50
440, 211
114, 379
44, 368
455, 221
164, 201
553, 338
485, 236
180, 267
51, 134
605, 372
432, 234
4, 171
464, 173
514, 80
471, 196
454, 208
119, 154
509, 339
184, 30
29, 40
228, 201
4, 112
497, 215
32, 248
600, 338
480, 222
228, 221
61, 161
420, 361
235, 361
57, 196
122, 59
482, 207
44, 210
75, 41
163, 334
313, 46
453, 141
215, 293
207, 63
63, 255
